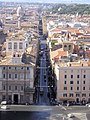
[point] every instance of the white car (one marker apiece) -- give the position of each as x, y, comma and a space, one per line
70, 115
4, 107
88, 105
3, 102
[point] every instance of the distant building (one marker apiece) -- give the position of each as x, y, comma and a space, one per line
19, 23
16, 42
19, 11
44, 25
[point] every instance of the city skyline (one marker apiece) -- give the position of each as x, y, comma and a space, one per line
53, 1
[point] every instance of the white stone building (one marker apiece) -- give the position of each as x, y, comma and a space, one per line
16, 80
16, 42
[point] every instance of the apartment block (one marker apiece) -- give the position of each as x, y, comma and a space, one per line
73, 81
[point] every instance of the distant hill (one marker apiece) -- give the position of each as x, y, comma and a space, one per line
71, 9
51, 1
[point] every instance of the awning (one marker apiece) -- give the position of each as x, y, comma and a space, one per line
68, 99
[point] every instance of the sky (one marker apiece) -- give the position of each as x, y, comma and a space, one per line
50, 1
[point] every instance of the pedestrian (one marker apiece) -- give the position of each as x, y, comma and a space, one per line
63, 118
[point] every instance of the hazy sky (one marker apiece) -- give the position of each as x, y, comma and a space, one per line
52, 1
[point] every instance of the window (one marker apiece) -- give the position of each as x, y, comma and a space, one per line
21, 87
15, 75
15, 46
77, 82
22, 97
83, 94
9, 75
9, 45
65, 88
71, 76
21, 67
3, 97
77, 88
3, 68
83, 88
65, 82
21, 76
65, 76
15, 68
71, 71
71, 88
77, 76
27, 68
71, 95
4, 75
89, 94
9, 87
9, 67
84, 76
69, 47
65, 46
71, 82
83, 82
65, 71
77, 95
4, 87
10, 97
20, 45
26, 45
65, 95
15, 87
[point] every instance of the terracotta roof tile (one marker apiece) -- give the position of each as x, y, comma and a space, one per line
61, 53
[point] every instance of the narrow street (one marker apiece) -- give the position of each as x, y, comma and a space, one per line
42, 89
43, 99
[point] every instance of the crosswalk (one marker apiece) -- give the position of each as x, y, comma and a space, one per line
56, 117
81, 116
78, 116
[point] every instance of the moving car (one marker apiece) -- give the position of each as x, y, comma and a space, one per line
4, 107
88, 104
70, 115
41, 91
3, 102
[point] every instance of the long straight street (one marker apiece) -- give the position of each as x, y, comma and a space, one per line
43, 99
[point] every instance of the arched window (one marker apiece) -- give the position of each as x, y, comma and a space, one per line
65, 46
69, 47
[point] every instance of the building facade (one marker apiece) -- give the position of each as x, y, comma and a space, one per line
16, 43
16, 81
73, 82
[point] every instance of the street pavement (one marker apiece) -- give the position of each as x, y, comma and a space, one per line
43, 99
43, 112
